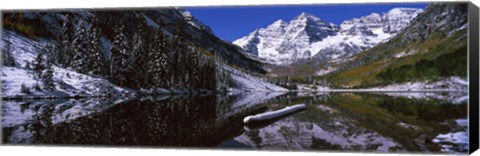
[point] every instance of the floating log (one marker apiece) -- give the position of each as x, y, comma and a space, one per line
273, 114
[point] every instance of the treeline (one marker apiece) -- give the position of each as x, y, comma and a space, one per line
453, 64
423, 109
19, 23
139, 56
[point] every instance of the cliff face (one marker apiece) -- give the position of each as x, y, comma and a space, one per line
437, 18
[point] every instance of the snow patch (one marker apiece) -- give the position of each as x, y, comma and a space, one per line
325, 71
405, 53
448, 84
454, 141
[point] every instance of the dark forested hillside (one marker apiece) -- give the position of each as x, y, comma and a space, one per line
134, 49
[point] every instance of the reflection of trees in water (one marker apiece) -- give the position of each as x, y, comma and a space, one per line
178, 121
152, 121
224, 104
41, 121
425, 115
169, 122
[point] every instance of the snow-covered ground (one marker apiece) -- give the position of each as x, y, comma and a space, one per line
453, 90
68, 83
247, 83
304, 87
448, 84
325, 71
405, 53
454, 141
451, 97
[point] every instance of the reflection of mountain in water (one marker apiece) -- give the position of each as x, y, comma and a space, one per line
327, 133
364, 122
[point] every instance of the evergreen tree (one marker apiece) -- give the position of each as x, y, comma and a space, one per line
50, 50
24, 89
64, 51
193, 69
47, 76
138, 67
27, 65
95, 60
37, 86
80, 46
119, 57
39, 66
178, 64
158, 65
8, 59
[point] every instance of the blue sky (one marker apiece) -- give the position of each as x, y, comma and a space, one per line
233, 22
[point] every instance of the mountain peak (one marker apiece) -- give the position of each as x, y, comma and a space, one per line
304, 16
278, 24
398, 18
401, 10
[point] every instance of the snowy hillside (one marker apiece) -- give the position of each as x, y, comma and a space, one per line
248, 83
68, 83
308, 36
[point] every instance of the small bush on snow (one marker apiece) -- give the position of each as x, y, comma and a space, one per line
24, 89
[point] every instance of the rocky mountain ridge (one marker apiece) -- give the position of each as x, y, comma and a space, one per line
307, 36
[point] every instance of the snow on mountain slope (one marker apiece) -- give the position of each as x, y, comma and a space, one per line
308, 36
248, 83
68, 83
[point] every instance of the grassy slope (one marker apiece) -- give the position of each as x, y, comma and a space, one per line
430, 50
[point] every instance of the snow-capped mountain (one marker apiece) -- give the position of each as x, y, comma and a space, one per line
308, 36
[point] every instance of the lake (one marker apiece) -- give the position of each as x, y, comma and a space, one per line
424, 122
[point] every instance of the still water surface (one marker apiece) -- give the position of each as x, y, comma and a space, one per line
391, 122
